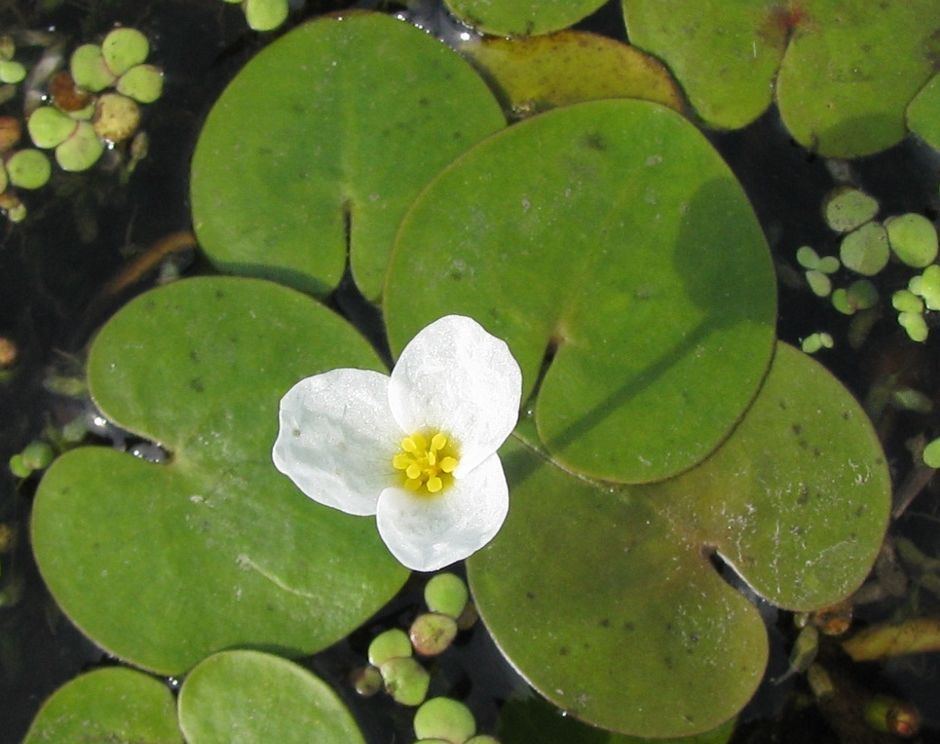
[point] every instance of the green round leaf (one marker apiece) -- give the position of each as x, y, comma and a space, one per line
391, 644
265, 15
443, 718
81, 149
923, 113
533, 74
446, 593
927, 285
28, 169
123, 48
907, 302
244, 697
849, 73
865, 250
108, 705
725, 55
932, 454
49, 127
521, 17
807, 258
844, 74
913, 239
598, 593
320, 144
11, 72
915, 326
845, 208
608, 241
89, 68
819, 283
164, 564
143, 83
405, 680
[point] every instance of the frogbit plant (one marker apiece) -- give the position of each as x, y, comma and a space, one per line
418, 448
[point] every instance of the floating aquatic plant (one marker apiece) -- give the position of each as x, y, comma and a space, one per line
612, 249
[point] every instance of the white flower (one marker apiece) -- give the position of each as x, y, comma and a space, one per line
417, 449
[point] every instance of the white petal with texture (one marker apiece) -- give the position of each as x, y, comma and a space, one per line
427, 532
338, 437
457, 378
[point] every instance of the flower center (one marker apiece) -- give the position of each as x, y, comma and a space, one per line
426, 462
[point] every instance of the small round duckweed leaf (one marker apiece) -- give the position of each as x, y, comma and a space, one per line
81, 149
927, 286
819, 283
317, 149
845, 208
162, 564
923, 113
443, 718
598, 593
915, 326
405, 680
28, 169
11, 72
143, 83
49, 127
913, 239
725, 55
108, 705
123, 48
241, 697
906, 301
533, 74
265, 15
865, 250
446, 593
932, 454
848, 73
521, 17
392, 644
641, 315
89, 68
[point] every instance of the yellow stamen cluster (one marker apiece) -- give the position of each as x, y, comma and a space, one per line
426, 462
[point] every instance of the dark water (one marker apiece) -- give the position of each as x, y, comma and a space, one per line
83, 228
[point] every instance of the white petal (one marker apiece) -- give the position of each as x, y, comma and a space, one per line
457, 378
426, 533
338, 437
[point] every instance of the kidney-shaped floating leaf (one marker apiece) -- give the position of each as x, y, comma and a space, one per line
532, 74
605, 598
108, 705
162, 564
608, 241
849, 73
725, 55
522, 17
844, 74
242, 697
318, 146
